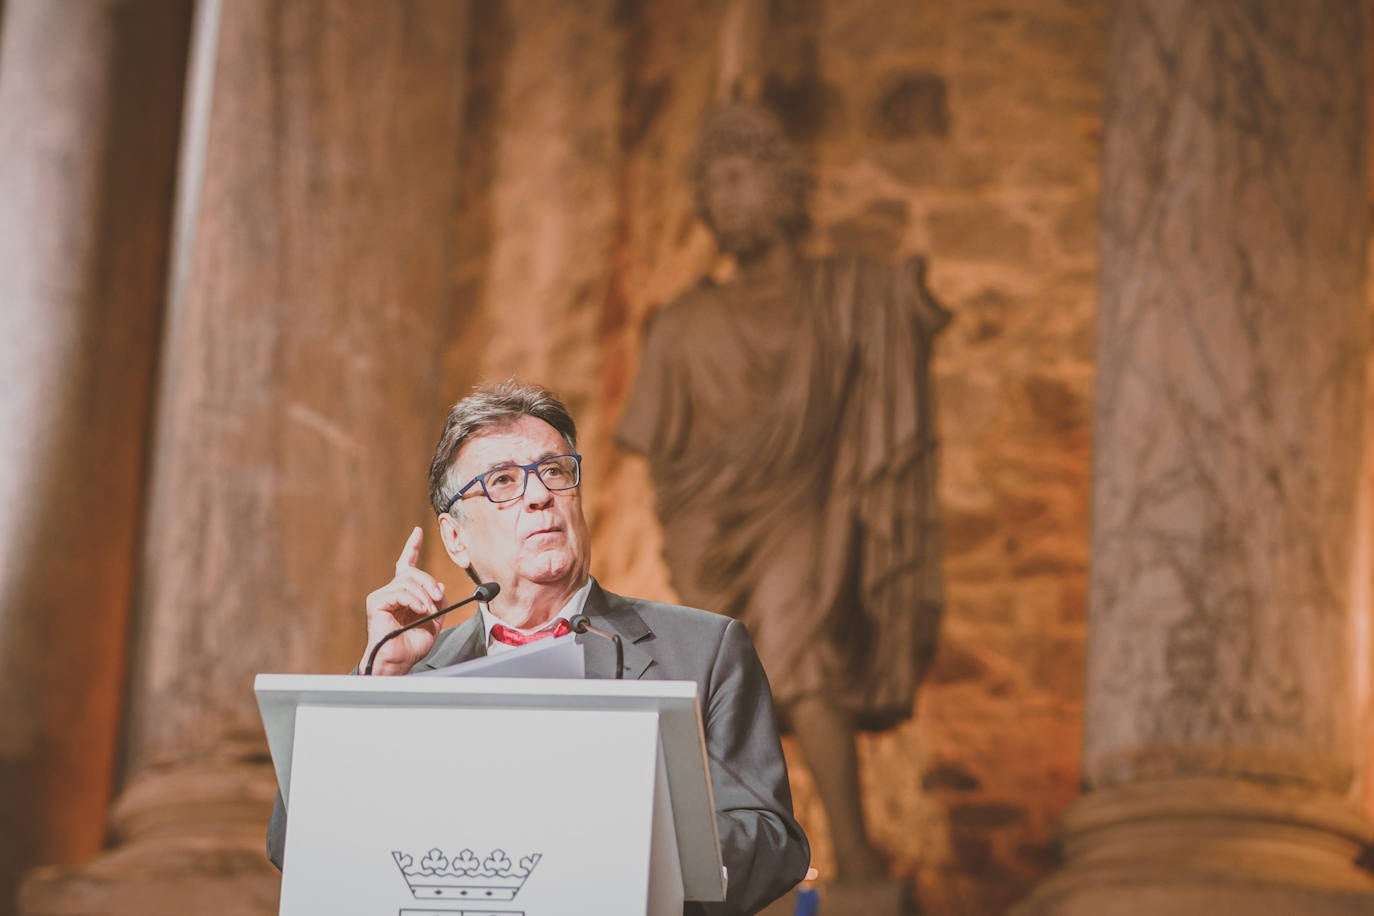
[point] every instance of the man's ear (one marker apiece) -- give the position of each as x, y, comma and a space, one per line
450, 532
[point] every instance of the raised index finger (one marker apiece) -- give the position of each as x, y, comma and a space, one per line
410, 553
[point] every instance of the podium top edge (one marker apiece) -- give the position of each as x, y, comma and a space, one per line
323, 685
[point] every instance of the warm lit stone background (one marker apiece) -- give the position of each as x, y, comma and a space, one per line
963, 130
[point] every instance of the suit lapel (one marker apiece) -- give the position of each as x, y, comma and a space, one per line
607, 611
610, 612
459, 644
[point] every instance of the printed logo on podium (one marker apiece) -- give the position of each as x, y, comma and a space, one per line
466, 880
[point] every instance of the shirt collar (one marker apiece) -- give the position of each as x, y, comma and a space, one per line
570, 610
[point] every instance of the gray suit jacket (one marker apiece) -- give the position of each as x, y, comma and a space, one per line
763, 846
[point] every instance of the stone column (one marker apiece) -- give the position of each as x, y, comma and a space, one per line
551, 217
90, 101
298, 406
1229, 644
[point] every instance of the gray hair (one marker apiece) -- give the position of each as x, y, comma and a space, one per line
490, 407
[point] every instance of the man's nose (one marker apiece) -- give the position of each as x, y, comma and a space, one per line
536, 494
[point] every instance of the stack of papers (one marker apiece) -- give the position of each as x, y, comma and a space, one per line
546, 658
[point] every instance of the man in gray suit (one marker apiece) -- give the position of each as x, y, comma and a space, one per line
505, 483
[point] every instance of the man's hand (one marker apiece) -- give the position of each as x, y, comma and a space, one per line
411, 594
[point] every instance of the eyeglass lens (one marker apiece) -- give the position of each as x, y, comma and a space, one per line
558, 473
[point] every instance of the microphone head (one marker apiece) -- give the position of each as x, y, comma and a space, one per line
487, 591
579, 623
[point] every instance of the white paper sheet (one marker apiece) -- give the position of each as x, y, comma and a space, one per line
544, 658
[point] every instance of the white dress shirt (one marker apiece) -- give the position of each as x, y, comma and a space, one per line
569, 611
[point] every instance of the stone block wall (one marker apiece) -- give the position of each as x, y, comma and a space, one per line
557, 215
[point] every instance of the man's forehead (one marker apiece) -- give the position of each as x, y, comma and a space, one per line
520, 441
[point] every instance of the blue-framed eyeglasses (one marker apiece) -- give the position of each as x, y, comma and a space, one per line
507, 482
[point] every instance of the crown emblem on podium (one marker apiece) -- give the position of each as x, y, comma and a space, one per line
436, 876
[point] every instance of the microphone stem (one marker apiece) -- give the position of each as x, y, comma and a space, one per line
372, 656
581, 624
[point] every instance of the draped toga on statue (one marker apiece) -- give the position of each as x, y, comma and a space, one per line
793, 453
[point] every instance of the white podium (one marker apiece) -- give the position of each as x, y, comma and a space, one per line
490, 796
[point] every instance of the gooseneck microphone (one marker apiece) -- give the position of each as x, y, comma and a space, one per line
581, 624
483, 593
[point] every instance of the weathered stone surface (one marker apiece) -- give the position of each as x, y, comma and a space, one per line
916, 104
789, 60
1058, 403
1057, 666
300, 361
1196, 846
972, 851
557, 140
1076, 227
1229, 436
1046, 170
875, 232
949, 776
966, 530
984, 316
979, 231
90, 96
953, 664
1231, 375
928, 164
305, 333
985, 814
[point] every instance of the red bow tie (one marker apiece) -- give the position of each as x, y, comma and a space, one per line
512, 637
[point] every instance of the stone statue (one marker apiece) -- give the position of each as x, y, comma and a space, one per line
788, 420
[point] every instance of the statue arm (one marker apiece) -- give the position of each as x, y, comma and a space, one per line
641, 423
658, 410
912, 290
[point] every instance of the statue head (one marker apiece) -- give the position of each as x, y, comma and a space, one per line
748, 178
